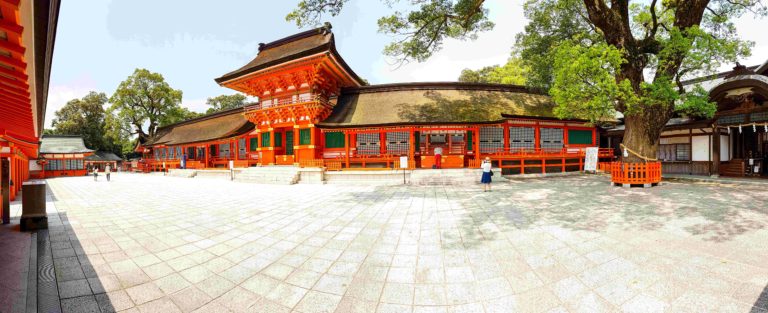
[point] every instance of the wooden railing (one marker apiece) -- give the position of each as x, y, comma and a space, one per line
635, 173
311, 163
411, 164
333, 165
538, 152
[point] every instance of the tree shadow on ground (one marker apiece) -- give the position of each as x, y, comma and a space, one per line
714, 213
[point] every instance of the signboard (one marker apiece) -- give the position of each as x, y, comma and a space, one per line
231, 164
403, 162
590, 160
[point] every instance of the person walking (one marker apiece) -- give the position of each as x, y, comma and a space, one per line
95, 173
487, 173
438, 157
107, 171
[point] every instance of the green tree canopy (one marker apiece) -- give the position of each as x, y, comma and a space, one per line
83, 117
512, 73
142, 103
597, 57
225, 102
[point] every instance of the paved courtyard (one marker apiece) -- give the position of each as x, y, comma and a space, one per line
145, 243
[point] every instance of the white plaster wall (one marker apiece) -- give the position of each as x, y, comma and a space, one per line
700, 148
725, 148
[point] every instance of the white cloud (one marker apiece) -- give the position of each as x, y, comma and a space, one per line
195, 105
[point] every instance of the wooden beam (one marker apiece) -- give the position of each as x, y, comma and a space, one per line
16, 91
12, 47
15, 74
11, 27
14, 83
15, 63
23, 99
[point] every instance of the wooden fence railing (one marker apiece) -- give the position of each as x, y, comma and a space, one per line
635, 173
311, 163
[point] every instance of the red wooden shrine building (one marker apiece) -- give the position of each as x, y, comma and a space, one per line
27, 32
313, 110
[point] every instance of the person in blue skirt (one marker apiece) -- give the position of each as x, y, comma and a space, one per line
487, 173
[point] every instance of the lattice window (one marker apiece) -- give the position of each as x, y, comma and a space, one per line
683, 152
397, 142
552, 138
368, 144
178, 152
731, 119
759, 117
522, 138
491, 139
241, 148
224, 150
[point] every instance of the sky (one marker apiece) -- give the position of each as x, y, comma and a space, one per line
99, 43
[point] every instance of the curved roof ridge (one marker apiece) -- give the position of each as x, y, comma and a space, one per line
444, 85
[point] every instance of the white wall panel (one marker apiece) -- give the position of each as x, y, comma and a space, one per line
700, 148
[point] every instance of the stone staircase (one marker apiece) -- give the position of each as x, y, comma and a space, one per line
280, 175
459, 176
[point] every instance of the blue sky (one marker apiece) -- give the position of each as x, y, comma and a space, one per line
191, 42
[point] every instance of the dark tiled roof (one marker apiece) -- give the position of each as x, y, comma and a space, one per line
103, 156
672, 124
290, 48
429, 103
209, 127
62, 144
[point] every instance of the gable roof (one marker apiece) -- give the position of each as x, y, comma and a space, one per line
433, 103
209, 127
293, 47
62, 144
103, 156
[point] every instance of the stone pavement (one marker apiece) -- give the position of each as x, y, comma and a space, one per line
144, 243
14, 263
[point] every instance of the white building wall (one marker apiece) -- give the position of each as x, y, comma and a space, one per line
700, 148
725, 148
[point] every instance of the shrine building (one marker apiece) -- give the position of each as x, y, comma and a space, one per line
314, 111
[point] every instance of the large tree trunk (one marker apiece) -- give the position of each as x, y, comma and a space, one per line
641, 135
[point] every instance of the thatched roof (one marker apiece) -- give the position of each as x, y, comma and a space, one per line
210, 127
62, 144
290, 48
430, 103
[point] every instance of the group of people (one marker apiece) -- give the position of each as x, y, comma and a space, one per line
95, 172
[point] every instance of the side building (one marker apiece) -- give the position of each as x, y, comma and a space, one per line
732, 143
314, 110
61, 155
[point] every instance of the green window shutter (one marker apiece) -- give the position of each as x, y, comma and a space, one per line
278, 139
470, 137
579, 137
265, 139
254, 143
334, 140
305, 137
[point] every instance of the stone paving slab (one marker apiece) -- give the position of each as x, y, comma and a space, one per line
145, 243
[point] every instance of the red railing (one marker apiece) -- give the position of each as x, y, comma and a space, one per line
635, 173
285, 101
536, 152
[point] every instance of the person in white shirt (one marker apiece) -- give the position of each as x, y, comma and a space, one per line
487, 173
107, 171
438, 157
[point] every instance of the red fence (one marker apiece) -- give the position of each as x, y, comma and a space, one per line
635, 173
